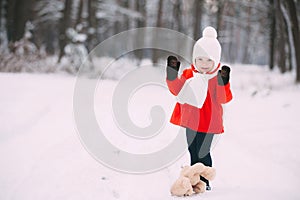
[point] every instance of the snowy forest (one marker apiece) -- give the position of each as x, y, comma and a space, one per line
49, 36
105, 132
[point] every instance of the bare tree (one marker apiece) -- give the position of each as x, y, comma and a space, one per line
92, 25
2, 2
141, 22
79, 13
158, 24
291, 7
177, 22
198, 18
64, 24
221, 5
246, 54
281, 40
289, 11
3, 34
272, 15
17, 14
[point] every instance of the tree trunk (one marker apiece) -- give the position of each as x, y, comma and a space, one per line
177, 16
64, 24
288, 46
17, 14
272, 12
158, 24
22, 15
291, 6
79, 13
2, 2
92, 25
245, 58
281, 40
140, 7
289, 63
126, 23
198, 18
220, 15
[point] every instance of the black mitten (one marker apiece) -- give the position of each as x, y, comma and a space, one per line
223, 75
172, 68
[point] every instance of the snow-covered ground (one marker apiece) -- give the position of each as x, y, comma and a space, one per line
42, 157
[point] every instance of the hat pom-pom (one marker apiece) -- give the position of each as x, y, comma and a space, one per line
210, 32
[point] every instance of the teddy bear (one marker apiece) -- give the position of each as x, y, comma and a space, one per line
189, 180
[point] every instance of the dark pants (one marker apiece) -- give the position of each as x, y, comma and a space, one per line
199, 147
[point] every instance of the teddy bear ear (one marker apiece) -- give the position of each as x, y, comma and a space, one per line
185, 170
209, 173
198, 167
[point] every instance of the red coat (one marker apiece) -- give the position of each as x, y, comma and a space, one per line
207, 119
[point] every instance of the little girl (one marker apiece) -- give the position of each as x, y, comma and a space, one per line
200, 90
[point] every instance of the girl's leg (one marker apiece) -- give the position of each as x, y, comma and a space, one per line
204, 141
199, 145
204, 146
192, 145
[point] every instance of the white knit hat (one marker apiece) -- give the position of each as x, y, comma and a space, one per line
208, 46
194, 91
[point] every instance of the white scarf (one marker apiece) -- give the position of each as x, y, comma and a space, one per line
194, 90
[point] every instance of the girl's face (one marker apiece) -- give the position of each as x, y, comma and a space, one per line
204, 64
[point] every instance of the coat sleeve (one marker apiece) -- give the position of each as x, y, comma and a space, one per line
176, 84
224, 94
